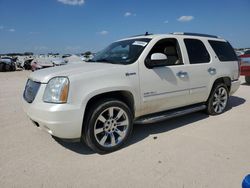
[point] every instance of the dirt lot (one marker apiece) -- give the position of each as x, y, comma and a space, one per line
191, 151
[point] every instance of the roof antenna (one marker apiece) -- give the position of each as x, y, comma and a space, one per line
146, 34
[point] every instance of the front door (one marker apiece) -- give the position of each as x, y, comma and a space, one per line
165, 87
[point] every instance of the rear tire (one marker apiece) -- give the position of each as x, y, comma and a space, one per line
218, 99
14, 67
247, 78
107, 126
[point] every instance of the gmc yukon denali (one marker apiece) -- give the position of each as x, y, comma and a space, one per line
142, 79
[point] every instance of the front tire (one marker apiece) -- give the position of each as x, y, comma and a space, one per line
7, 68
218, 99
108, 126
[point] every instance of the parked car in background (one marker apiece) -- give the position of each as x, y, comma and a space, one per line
247, 52
245, 65
46, 62
7, 64
27, 63
20, 61
72, 59
59, 61
238, 52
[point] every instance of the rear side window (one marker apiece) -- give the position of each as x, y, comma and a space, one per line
197, 51
223, 50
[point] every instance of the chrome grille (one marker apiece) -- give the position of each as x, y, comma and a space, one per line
31, 90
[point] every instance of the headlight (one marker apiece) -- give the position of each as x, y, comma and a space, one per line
57, 90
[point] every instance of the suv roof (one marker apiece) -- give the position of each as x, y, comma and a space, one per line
179, 34
195, 34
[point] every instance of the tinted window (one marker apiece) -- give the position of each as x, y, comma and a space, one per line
223, 50
197, 51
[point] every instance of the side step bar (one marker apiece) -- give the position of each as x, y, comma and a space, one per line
153, 118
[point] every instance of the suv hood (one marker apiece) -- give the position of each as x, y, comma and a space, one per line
45, 75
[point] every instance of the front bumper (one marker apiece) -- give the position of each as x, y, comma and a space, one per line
234, 86
60, 120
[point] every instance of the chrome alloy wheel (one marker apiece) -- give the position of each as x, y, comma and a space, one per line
111, 127
220, 100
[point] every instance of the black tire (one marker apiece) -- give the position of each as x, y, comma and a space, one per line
13, 67
7, 67
217, 105
2, 67
92, 121
247, 78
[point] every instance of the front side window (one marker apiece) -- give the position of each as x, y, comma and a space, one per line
170, 48
122, 52
197, 51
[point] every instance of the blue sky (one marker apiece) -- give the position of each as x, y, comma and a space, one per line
70, 26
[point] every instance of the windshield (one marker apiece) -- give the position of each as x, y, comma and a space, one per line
122, 52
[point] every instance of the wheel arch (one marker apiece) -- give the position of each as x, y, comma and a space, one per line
225, 80
122, 95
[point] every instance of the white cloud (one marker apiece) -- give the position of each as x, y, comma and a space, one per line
11, 30
166, 22
127, 14
2, 28
72, 2
103, 32
185, 18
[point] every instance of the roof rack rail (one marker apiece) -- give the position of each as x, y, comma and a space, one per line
195, 34
145, 34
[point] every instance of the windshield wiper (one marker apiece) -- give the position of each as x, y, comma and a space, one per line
99, 60
102, 60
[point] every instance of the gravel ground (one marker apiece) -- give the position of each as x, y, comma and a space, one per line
191, 151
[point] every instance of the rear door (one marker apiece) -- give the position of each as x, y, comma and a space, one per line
201, 68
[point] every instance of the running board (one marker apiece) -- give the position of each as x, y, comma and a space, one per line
153, 118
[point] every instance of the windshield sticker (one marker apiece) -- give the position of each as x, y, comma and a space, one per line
140, 43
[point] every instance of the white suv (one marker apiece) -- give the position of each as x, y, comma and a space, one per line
142, 79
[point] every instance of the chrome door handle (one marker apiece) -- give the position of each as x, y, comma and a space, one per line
182, 74
212, 71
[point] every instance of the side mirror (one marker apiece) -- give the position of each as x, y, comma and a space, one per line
158, 57
156, 60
